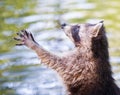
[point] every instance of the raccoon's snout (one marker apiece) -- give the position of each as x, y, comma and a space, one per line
63, 25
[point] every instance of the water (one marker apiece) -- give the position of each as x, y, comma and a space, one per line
21, 72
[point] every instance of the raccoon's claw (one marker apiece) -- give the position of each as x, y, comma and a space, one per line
17, 39
25, 38
19, 34
25, 33
19, 44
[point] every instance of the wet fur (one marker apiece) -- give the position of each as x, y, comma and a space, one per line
99, 79
85, 70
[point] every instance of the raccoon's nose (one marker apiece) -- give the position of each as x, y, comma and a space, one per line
63, 25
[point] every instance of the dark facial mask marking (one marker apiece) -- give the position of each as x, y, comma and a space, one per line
75, 33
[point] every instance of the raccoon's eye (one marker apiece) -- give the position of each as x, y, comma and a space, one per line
75, 33
75, 28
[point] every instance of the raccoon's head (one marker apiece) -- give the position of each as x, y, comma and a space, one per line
82, 34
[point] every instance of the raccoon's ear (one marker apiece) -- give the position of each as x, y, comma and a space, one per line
96, 29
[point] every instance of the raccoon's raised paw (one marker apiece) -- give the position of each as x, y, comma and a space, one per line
25, 38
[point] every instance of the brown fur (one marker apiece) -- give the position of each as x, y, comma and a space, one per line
85, 70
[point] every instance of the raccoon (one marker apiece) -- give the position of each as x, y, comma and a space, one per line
86, 69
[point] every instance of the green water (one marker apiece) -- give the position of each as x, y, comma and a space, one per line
20, 70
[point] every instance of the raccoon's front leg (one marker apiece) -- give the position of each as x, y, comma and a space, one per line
53, 61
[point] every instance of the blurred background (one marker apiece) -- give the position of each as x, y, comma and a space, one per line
21, 72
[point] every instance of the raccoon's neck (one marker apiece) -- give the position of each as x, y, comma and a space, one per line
84, 52
100, 49
101, 54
